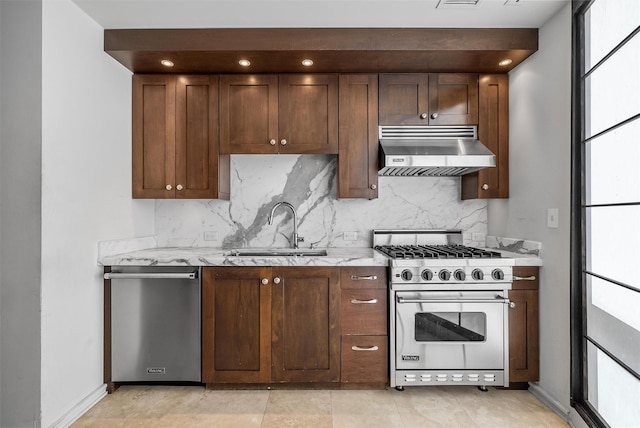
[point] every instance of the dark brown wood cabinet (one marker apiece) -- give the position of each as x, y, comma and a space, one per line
268, 114
358, 136
364, 325
271, 324
524, 360
175, 138
428, 99
493, 132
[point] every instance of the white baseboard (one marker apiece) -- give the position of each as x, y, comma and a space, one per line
553, 404
81, 408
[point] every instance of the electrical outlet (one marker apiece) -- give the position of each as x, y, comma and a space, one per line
552, 218
350, 236
211, 235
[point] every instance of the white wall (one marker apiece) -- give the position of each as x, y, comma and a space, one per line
20, 146
540, 164
86, 197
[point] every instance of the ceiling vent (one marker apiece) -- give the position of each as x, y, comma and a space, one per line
446, 4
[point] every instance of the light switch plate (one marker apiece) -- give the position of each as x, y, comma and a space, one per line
350, 236
552, 218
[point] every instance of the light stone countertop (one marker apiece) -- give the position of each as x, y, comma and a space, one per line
203, 256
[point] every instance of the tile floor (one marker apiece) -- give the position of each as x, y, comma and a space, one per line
182, 406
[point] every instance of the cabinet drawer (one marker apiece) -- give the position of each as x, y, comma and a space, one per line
364, 311
364, 359
363, 277
526, 278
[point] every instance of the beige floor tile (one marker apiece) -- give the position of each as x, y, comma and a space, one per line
392, 420
296, 420
232, 402
89, 422
362, 402
226, 421
431, 407
307, 402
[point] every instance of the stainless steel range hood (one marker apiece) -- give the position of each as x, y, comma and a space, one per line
432, 151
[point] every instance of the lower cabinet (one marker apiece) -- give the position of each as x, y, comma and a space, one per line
524, 354
294, 324
271, 324
364, 309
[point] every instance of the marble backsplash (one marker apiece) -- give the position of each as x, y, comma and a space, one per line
309, 183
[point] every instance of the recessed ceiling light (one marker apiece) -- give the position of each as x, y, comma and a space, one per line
505, 62
307, 62
167, 63
244, 62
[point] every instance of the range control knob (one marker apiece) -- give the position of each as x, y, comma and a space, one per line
406, 275
477, 274
444, 275
459, 275
497, 274
427, 275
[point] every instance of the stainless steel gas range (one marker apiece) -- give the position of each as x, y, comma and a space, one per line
448, 310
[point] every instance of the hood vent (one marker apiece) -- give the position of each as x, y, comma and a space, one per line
432, 151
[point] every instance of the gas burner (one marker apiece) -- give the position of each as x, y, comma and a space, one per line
449, 251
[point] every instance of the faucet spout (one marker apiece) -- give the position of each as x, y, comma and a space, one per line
294, 239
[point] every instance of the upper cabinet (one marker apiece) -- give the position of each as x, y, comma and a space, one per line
429, 99
270, 114
358, 152
493, 132
175, 138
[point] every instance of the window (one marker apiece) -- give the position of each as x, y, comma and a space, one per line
605, 380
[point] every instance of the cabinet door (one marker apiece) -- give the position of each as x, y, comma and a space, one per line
308, 113
524, 360
153, 139
249, 114
404, 99
493, 132
358, 148
306, 324
236, 325
453, 99
197, 137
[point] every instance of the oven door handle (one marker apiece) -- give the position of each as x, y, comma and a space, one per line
498, 299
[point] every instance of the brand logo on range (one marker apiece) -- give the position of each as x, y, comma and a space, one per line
397, 160
411, 358
156, 370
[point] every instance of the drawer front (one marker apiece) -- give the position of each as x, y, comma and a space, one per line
363, 277
364, 359
364, 311
526, 278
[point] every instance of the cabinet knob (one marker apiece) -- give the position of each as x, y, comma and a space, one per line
485, 186
423, 116
276, 280
373, 187
283, 142
272, 142
168, 187
179, 187
264, 281
434, 115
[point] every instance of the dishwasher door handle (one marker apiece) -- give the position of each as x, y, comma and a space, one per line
151, 275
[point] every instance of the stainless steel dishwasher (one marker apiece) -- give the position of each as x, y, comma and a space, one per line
155, 324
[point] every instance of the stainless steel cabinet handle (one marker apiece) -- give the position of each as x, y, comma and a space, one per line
272, 142
434, 115
159, 275
364, 302
283, 142
369, 349
423, 116
168, 187
264, 281
276, 280
524, 278
364, 278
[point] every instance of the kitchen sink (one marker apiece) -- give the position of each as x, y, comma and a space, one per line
278, 252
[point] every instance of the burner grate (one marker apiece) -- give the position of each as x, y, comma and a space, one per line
436, 252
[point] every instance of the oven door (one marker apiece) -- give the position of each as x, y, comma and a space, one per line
451, 330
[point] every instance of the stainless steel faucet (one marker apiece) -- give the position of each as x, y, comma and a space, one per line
295, 239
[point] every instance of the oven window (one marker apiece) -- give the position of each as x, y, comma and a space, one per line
451, 327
